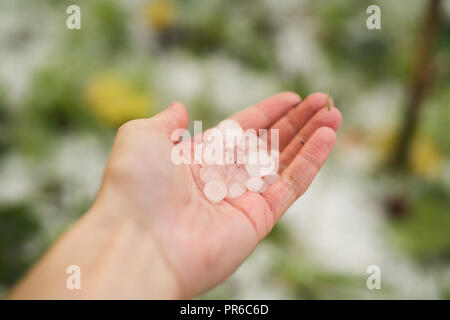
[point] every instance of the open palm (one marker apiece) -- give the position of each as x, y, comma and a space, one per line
202, 242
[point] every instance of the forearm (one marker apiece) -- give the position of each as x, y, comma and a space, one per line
117, 259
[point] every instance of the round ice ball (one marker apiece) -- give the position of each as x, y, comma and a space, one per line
235, 189
255, 184
215, 190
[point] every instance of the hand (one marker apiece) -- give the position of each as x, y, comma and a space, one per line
204, 242
195, 244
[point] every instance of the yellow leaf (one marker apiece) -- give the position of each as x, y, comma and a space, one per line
425, 158
160, 14
114, 99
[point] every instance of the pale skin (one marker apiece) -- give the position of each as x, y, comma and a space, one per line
152, 234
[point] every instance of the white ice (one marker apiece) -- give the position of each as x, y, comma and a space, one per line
215, 190
235, 189
255, 184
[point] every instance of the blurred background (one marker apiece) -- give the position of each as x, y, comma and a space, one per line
382, 199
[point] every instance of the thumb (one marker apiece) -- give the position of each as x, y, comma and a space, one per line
175, 116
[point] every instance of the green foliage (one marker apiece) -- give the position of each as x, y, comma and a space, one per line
111, 24
116, 37
425, 233
310, 282
279, 235
54, 100
437, 117
5, 129
18, 225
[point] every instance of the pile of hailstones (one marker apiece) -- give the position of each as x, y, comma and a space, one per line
247, 163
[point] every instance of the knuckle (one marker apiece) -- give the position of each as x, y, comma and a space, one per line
126, 126
312, 159
130, 125
297, 183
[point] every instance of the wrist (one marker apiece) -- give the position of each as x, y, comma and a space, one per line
130, 263
116, 260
